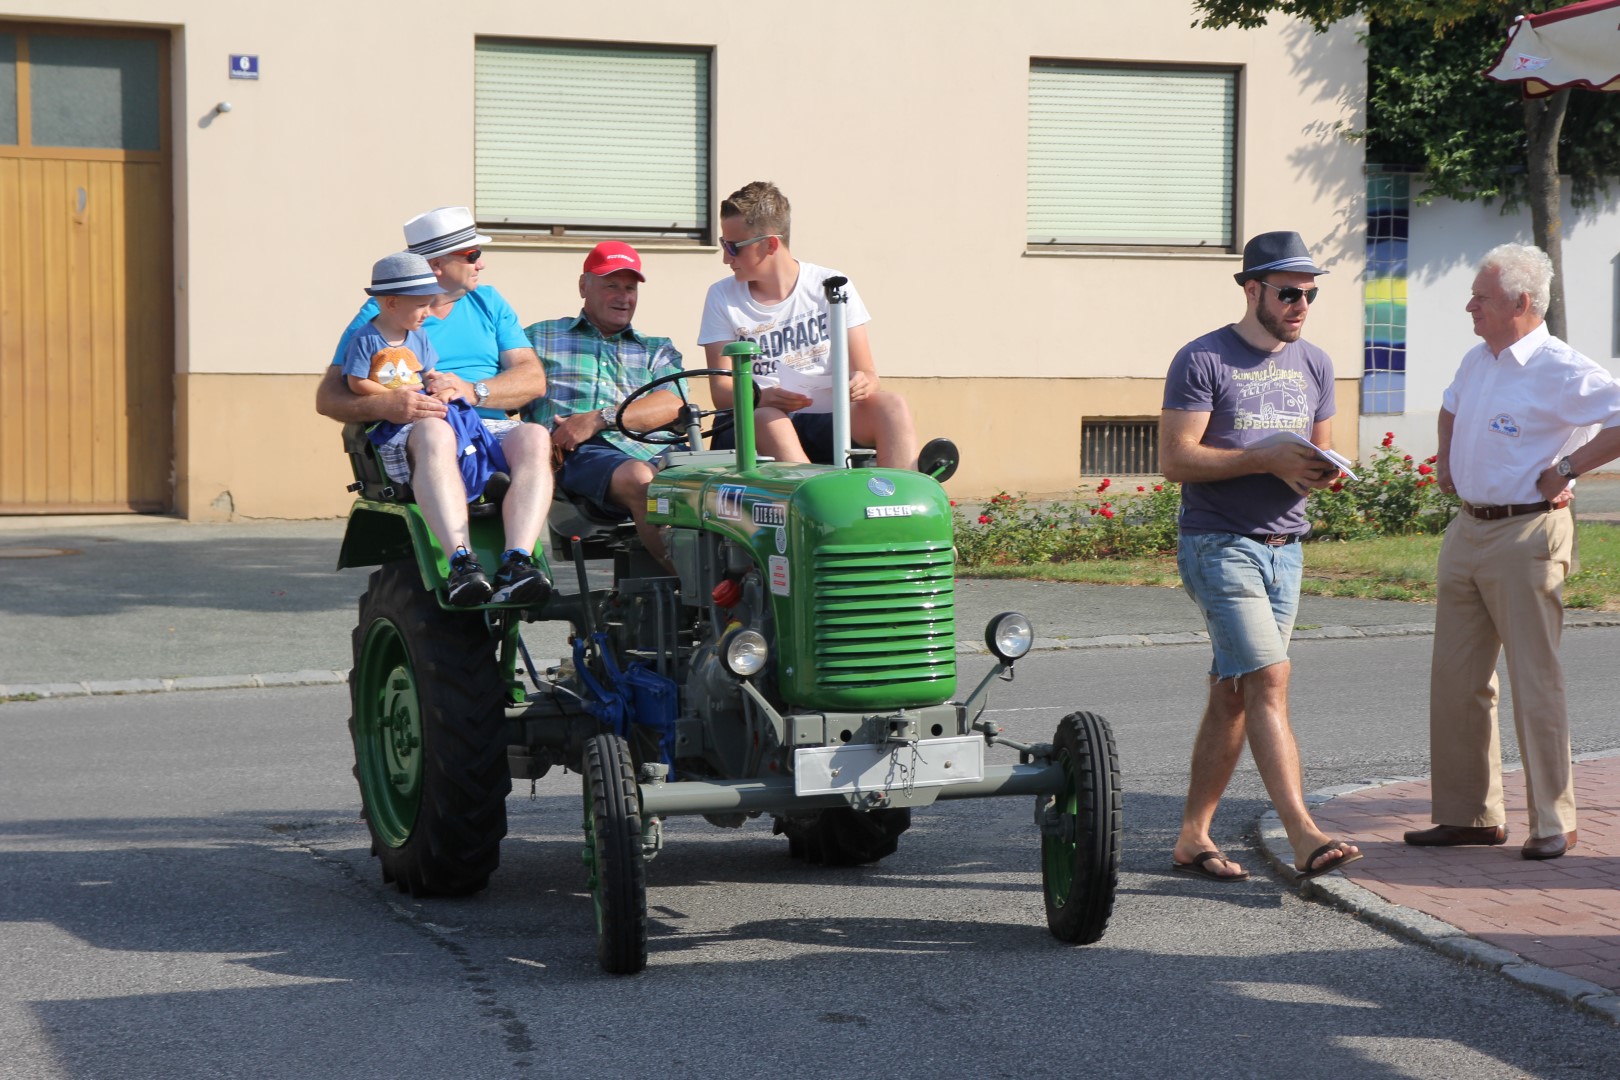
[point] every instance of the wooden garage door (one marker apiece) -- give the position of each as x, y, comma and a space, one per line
86, 307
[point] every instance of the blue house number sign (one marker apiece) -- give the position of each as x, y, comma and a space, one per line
244, 67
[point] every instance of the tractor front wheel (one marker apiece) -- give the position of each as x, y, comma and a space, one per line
1080, 830
427, 709
613, 855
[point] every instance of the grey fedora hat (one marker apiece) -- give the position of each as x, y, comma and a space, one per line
1274, 253
439, 232
403, 274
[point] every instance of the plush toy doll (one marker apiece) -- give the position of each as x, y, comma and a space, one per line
395, 366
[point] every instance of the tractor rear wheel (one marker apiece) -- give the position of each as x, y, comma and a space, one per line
1080, 831
426, 694
613, 855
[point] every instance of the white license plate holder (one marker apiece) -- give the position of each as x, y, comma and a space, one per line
867, 767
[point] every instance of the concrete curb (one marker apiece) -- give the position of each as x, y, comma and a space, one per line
105, 687
1342, 893
1572, 620
322, 676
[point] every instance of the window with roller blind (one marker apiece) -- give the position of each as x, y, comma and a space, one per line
592, 140
1131, 157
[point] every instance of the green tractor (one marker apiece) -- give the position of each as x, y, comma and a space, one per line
801, 663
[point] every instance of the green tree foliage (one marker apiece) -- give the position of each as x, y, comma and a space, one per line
1430, 106
1439, 14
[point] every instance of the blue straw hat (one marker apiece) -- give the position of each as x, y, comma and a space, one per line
403, 274
1276, 253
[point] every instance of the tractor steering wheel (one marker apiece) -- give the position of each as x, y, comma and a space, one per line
668, 434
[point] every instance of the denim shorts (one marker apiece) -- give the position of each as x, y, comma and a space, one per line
1249, 594
587, 472
814, 431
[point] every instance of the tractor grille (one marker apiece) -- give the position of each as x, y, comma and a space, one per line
884, 616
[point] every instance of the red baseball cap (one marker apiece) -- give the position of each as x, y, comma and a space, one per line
611, 256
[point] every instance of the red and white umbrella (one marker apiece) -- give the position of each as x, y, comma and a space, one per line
1578, 45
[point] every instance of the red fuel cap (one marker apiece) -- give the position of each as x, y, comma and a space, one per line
727, 593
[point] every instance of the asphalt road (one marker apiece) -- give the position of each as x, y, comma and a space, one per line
185, 890
109, 600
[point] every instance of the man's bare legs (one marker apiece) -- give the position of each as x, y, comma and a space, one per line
442, 495
523, 512
436, 479
882, 421
775, 436
628, 488
1252, 707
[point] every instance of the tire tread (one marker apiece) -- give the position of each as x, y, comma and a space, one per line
455, 845
621, 868
1099, 824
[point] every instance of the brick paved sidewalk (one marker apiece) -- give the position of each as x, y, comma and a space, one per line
1563, 914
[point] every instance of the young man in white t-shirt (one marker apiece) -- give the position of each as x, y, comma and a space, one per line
778, 302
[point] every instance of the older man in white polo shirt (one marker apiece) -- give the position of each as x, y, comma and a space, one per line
1516, 427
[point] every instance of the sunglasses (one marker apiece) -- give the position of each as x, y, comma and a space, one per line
1292, 294
733, 249
472, 255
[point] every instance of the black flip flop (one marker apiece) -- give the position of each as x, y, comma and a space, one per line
1200, 867
1306, 873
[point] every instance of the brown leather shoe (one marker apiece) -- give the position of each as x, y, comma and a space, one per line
1459, 835
1548, 847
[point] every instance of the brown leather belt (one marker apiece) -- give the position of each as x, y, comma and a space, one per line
1493, 513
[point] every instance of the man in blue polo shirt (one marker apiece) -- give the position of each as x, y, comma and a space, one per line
484, 360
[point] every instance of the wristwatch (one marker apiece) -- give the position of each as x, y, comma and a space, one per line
1566, 468
609, 415
481, 392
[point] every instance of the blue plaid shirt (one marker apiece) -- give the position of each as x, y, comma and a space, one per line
586, 371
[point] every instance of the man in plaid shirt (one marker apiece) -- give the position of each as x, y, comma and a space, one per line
593, 361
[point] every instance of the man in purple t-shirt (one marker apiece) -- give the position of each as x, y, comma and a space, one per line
1243, 407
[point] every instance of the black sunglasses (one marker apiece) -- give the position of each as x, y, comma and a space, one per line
472, 255
1292, 294
733, 247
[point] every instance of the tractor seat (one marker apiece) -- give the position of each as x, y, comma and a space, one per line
599, 533
370, 482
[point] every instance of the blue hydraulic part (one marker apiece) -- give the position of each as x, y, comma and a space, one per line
636, 695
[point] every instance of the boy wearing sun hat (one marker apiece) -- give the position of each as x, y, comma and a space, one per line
391, 350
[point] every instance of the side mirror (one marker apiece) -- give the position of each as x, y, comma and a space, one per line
939, 459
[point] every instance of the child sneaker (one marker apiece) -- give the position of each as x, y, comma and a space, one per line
467, 584
520, 581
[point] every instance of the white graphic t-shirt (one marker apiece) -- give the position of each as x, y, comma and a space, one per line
793, 336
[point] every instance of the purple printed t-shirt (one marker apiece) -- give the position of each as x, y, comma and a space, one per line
1250, 396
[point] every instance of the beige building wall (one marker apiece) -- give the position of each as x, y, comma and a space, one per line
898, 131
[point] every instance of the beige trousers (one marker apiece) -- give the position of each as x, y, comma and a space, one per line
1501, 584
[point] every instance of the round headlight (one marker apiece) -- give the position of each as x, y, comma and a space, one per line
745, 652
1009, 636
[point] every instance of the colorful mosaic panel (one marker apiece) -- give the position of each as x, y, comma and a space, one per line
1383, 377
